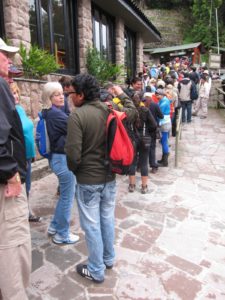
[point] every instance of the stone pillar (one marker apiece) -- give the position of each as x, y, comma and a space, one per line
16, 17
119, 32
84, 30
139, 54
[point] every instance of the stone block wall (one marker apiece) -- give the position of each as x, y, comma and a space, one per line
171, 24
16, 17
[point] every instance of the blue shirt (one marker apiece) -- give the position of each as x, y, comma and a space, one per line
28, 132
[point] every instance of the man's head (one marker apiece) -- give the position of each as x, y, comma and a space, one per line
136, 84
85, 88
4, 51
147, 99
65, 81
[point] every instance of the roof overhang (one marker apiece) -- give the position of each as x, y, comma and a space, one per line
133, 18
172, 49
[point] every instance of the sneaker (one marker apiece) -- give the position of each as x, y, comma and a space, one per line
33, 218
51, 230
71, 239
83, 271
131, 188
144, 189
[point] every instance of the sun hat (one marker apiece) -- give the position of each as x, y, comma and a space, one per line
6, 48
206, 72
147, 94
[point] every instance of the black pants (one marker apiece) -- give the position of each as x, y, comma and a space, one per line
152, 149
142, 155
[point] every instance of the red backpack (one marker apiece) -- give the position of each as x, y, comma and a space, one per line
119, 148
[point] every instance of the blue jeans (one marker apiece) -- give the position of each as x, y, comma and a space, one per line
96, 204
67, 184
28, 177
186, 106
164, 142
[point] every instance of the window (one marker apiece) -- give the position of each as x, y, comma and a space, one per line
52, 24
103, 33
2, 31
130, 53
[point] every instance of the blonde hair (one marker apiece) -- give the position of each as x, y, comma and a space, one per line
49, 89
14, 88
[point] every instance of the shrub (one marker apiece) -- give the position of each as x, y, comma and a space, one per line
37, 62
100, 67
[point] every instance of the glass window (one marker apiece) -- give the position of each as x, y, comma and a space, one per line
53, 28
103, 34
130, 53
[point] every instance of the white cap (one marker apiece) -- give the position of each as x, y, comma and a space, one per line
206, 72
6, 48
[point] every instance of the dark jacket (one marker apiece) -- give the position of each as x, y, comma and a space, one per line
145, 118
86, 140
156, 111
12, 145
56, 122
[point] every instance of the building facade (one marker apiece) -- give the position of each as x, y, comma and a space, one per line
66, 28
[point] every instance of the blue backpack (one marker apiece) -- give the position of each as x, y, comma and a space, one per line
41, 138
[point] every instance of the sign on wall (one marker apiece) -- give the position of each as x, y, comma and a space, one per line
214, 61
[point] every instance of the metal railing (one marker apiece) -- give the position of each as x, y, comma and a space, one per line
220, 103
178, 135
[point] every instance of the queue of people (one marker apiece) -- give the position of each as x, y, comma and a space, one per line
74, 111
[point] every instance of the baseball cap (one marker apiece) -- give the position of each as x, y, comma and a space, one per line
6, 48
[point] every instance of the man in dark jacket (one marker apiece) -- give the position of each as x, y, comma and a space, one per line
15, 247
96, 186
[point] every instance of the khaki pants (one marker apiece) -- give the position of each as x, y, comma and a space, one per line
15, 246
201, 106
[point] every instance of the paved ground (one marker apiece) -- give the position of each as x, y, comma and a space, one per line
170, 243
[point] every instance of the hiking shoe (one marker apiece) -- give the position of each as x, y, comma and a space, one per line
83, 271
144, 189
131, 188
71, 239
108, 267
51, 230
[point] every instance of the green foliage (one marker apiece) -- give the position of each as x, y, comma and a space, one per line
37, 62
203, 28
100, 67
168, 4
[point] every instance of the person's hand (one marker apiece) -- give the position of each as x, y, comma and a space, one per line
13, 187
117, 90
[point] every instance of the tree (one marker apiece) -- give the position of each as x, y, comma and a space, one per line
203, 28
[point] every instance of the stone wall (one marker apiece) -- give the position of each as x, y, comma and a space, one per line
119, 41
214, 95
16, 17
171, 24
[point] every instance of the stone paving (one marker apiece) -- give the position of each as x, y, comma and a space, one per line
170, 243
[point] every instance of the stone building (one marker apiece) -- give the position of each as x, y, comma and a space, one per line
65, 28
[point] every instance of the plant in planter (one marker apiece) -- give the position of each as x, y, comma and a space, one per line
100, 67
37, 62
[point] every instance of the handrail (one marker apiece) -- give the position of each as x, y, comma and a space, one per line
178, 135
219, 102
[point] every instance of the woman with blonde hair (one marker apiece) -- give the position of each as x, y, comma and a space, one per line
56, 122
28, 133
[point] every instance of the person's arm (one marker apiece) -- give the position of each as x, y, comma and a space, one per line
152, 124
159, 113
73, 146
128, 105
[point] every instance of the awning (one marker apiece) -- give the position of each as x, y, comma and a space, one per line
133, 18
172, 49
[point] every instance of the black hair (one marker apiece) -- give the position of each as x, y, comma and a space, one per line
65, 81
88, 85
135, 79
